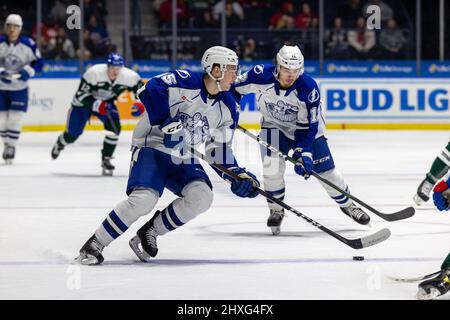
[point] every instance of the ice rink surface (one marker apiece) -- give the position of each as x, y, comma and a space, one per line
48, 209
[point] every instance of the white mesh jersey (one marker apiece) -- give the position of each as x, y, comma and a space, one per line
297, 108
16, 56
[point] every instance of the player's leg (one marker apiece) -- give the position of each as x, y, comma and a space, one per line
111, 123
274, 168
76, 121
4, 107
148, 174
324, 166
191, 183
18, 105
439, 169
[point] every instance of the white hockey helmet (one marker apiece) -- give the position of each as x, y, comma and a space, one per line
291, 57
221, 56
14, 19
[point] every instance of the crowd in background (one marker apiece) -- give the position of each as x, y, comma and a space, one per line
255, 28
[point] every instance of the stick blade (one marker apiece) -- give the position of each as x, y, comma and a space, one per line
400, 215
370, 240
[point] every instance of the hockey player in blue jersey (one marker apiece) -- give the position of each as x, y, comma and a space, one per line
19, 60
183, 108
289, 102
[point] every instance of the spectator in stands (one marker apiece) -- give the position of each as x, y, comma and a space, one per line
94, 28
336, 43
257, 13
249, 53
88, 46
233, 19
207, 20
165, 14
350, 11
385, 10
304, 18
392, 41
58, 11
236, 9
96, 8
278, 20
48, 29
61, 47
361, 41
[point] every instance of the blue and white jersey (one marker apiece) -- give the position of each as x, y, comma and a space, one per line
206, 119
295, 111
17, 56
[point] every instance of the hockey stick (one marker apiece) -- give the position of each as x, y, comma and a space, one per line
399, 215
416, 279
359, 243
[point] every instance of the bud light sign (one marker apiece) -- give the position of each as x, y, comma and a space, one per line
347, 99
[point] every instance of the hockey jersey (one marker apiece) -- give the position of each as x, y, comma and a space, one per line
295, 111
206, 119
96, 85
15, 56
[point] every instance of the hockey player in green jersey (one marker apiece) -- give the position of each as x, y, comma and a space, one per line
438, 170
440, 284
100, 86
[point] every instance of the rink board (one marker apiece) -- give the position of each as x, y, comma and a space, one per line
347, 103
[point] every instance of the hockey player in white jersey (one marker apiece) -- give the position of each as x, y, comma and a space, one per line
183, 108
99, 88
289, 102
19, 60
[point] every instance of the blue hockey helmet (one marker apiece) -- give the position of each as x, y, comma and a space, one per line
115, 60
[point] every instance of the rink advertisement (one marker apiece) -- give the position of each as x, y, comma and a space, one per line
360, 103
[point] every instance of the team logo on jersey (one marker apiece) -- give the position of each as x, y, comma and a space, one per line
168, 78
13, 62
313, 96
259, 68
282, 111
196, 128
183, 73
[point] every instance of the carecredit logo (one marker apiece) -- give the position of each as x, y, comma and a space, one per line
435, 68
59, 68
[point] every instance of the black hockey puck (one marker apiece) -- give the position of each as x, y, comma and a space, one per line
358, 258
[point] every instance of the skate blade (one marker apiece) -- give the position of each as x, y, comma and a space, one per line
134, 245
275, 230
107, 173
8, 162
87, 260
423, 295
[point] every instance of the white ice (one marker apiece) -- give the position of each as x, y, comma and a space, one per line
48, 209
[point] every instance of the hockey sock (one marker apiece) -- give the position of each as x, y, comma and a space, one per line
13, 126
446, 263
278, 194
335, 177
440, 166
109, 145
3, 119
64, 139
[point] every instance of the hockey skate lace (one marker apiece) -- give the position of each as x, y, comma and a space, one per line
97, 245
280, 213
426, 188
356, 212
151, 237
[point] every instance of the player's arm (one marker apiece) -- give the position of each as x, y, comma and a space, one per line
243, 83
34, 66
306, 132
220, 151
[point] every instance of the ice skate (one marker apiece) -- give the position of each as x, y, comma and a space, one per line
435, 287
107, 167
9, 154
144, 243
357, 214
423, 192
274, 221
91, 252
56, 150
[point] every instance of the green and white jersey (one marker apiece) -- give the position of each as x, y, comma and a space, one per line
95, 85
